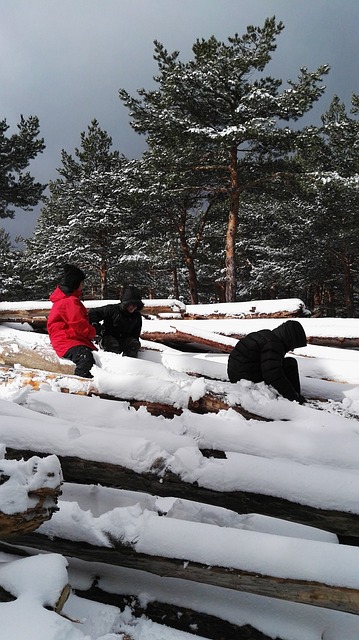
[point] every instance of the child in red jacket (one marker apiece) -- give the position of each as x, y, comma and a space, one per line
68, 327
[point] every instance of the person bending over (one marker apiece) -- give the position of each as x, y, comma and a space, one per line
260, 357
119, 325
69, 329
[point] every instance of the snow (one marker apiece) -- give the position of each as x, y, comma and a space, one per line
306, 454
24, 478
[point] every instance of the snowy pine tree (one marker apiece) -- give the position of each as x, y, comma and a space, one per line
330, 157
17, 187
219, 102
87, 215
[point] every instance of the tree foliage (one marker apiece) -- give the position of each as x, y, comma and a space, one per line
17, 187
86, 217
219, 102
227, 201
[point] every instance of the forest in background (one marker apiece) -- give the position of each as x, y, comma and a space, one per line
232, 199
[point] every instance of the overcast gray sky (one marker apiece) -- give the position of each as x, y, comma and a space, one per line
64, 60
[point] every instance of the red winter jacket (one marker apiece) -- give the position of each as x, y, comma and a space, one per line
67, 324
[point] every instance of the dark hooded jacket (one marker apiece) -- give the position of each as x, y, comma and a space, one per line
259, 356
117, 321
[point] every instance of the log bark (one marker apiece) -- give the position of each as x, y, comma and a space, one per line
11, 353
168, 484
31, 519
41, 503
176, 617
209, 403
38, 317
243, 316
289, 589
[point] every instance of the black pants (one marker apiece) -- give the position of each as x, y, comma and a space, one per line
290, 366
83, 359
127, 346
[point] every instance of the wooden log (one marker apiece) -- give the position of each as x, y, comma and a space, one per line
176, 617
213, 341
172, 615
209, 403
289, 589
42, 500
218, 342
338, 342
37, 317
32, 518
12, 352
255, 315
167, 484
182, 339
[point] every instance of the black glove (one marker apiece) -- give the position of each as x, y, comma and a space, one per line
100, 332
97, 326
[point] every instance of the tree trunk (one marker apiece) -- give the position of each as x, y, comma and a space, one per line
192, 277
348, 286
232, 226
103, 280
175, 283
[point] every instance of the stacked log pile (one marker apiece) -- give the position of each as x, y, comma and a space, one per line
38, 368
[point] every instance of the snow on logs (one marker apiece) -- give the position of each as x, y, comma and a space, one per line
36, 313
42, 579
28, 493
206, 402
227, 557
172, 322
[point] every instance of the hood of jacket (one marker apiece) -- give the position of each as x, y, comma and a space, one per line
292, 334
131, 295
59, 294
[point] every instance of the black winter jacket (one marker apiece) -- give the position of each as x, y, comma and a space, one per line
259, 356
117, 322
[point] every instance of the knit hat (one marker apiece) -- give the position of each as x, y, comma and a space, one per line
72, 277
131, 295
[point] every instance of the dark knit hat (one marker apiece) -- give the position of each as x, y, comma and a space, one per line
131, 295
72, 277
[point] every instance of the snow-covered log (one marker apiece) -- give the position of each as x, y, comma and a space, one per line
208, 403
174, 616
281, 308
29, 491
165, 483
36, 313
332, 595
12, 352
222, 344
13, 585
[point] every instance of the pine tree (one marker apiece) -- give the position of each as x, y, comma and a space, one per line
86, 217
331, 160
10, 281
281, 246
219, 103
17, 187
179, 213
